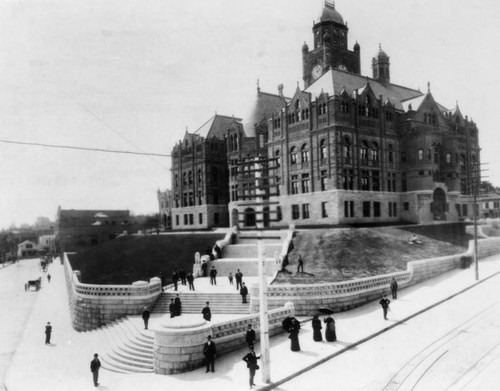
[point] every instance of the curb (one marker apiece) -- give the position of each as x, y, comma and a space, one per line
371, 336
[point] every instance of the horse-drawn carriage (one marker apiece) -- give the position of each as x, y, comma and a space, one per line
33, 284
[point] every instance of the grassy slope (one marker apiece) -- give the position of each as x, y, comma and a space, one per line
132, 258
329, 253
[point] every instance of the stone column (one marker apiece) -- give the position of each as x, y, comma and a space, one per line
178, 344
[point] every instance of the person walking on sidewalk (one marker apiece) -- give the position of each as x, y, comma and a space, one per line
394, 288
316, 326
175, 279
294, 335
48, 333
145, 317
95, 364
250, 335
206, 312
239, 279
213, 276
230, 276
251, 360
384, 302
209, 351
171, 308
243, 293
300, 268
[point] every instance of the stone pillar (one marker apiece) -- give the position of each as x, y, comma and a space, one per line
178, 344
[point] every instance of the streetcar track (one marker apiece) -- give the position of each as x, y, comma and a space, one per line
418, 359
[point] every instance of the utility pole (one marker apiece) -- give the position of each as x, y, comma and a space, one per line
264, 321
476, 264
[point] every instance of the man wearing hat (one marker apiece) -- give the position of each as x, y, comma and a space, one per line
251, 360
209, 352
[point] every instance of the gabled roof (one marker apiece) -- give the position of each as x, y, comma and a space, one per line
264, 106
216, 126
417, 102
334, 82
25, 243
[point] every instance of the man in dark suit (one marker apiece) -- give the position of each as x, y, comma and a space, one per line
251, 360
250, 336
384, 302
239, 278
171, 308
48, 333
95, 364
243, 292
209, 352
178, 305
145, 317
394, 288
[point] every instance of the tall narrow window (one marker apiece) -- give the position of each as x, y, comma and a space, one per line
322, 149
293, 155
304, 152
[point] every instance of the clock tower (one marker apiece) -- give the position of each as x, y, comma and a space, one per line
330, 47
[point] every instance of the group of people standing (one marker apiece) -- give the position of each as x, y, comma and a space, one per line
186, 278
175, 307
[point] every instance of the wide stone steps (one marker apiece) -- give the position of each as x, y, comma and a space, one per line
124, 348
193, 303
248, 266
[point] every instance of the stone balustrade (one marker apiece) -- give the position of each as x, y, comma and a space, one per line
93, 305
178, 343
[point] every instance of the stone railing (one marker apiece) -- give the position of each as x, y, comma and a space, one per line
93, 305
341, 296
178, 343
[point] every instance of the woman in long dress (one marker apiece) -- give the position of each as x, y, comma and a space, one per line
294, 335
330, 332
316, 325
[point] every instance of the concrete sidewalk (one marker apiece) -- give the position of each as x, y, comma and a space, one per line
65, 364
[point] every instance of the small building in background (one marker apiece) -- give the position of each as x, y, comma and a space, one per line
26, 249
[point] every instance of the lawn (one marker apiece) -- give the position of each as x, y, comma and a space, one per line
132, 258
347, 253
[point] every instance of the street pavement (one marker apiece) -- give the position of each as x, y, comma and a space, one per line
65, 364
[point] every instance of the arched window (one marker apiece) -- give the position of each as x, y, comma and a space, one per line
304, 153
293, 155
375, 152
420, 154
390, 153
363, 151
322, 149
346, 150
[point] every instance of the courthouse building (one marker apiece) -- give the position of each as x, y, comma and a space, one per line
346, 149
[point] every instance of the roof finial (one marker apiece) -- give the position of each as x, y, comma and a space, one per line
429, 87
379, 46
330, 2
258, 86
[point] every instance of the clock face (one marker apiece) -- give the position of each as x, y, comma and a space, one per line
317, 71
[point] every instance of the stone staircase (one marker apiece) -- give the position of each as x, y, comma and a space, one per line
193, 302
124, 348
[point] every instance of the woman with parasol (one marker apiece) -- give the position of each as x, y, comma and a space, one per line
316, 325
330, 332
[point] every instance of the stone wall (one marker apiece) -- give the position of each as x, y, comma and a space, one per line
341, 296
92, 306
178, 343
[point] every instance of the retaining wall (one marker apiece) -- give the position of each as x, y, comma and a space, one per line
178, 343
92, 306
341, 296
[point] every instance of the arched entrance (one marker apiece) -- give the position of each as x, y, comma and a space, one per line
438, 206
235, 217
249, 217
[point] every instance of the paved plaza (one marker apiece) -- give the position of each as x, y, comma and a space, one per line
28, 364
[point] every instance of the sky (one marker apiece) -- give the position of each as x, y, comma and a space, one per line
133, 75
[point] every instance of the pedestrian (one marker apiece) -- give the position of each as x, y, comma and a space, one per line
250, 335
294, 335
209, 351
95, 364
213, 274
330, 332
48, 277
230, 276
251, 360
175, 278
182, 276
243, 292
300, 268
218, 251
316, 326
48, 333
171, 308
239, 279
207, 314
178, 306
384, 302
204, 267
190, 280
145, 317
163, 280
394, 288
